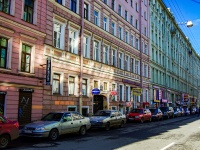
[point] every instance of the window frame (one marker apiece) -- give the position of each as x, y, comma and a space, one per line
6, 53
106, 57
97, 51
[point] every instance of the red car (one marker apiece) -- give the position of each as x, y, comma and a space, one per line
139, 114
9, 130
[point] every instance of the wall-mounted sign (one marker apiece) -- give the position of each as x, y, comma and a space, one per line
26, 90
137, 91
2, 93
113, 93
130, 82
48, 71
95, 91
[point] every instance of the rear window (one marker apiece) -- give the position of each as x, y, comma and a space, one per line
153, 110
137, 111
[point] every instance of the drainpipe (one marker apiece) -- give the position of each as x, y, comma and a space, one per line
140, 30
81, 56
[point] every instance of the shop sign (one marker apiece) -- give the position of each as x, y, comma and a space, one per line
156, 101
95, 91
130, 82
26, 90
48, 71
164, 100
113, 93
128, 104
137, 91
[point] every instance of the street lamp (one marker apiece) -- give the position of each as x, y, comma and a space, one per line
188, 23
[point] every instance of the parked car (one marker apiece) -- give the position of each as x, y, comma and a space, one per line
139, 114
107, 119
168, 112
177, 112
57, 123
186, 111
9, 130
156, 114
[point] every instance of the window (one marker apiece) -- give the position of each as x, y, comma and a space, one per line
132, 40
105, 1
3, 52
136, 7
145, 31
131, 3
73, 41
105, 86
56, 83
96, 84
120, 10
105, 24
145, 15
121, 92
120, 60
145, 70
73, 5
26, 58
145, 49
105, 55
126, 15
96, 51
137, 67
132, 65
71, 85
86, 11
96, 18
86, 43
126, 37
131, 20
84, 87
113, 5
58, 34
127, 93
127, 63
136, 24
5, 6
28, 11
120, 33
137, 43
113, 28
114, 57
59, 1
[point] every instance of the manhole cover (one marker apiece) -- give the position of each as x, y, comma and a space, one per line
44, 145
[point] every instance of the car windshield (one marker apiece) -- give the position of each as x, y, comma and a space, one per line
103, 113
52, 117
137, 111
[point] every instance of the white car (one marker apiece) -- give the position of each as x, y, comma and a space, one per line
57, 123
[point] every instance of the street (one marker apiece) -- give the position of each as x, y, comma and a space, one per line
182, 133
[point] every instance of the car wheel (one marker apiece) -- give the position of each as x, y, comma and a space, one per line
53, 135
82, 130
121, 124
142, 120
4, 140
107, 127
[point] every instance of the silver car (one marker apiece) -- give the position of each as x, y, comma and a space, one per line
107, 118
57, 123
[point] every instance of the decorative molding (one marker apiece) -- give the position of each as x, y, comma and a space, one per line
7, 30
28, 37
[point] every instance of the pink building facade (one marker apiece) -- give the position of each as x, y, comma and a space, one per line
22, 34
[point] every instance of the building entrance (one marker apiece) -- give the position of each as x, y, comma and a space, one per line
97, 103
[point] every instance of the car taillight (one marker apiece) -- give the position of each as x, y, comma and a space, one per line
16, 124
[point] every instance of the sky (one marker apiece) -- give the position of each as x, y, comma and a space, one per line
187, 10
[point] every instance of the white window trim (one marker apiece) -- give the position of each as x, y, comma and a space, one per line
62, 36
99, 16
12, 7
127, 37
32, 56
122, 60
107, 23
115, 57
128, 62
34, 11
98, 83
89, 10
133, 65
71, 106
127, 15
114, 28
107, 86
121, 32
75, 84
88, 86
129, 92
107, 54
61, 81
118, 10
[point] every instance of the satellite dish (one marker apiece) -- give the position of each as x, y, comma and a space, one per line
189, 24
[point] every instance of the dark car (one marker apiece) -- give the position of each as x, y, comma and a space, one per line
168, 112
9, 130
156, 114
139, 114
177, 112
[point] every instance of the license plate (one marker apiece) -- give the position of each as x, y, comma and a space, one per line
27, 131
131, 118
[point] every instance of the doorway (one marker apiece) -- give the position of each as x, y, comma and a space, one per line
2, 103
97, 103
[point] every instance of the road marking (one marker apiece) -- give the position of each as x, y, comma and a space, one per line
166, 147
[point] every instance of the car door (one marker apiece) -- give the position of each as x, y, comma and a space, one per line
77, 120
67, 125
113, 118
119, 117
2, 125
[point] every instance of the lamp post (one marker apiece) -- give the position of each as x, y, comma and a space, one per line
188, 23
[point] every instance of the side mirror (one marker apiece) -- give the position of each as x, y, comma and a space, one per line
112, 116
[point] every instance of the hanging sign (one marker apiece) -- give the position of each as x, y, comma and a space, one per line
48, 71
137, 91
95, 91
113, 93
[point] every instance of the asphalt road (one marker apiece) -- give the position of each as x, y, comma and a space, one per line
182, 133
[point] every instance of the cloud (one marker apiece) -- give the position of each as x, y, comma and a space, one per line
196, 22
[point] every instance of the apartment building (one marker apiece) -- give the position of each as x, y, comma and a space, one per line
174, 62
96, 52
22, 34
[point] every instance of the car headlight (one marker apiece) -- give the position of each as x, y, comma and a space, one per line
39, 129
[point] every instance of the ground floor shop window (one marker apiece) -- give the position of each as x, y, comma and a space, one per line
2, 104
71, 108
